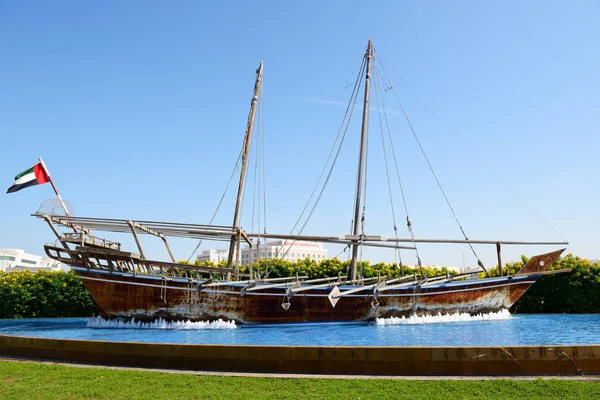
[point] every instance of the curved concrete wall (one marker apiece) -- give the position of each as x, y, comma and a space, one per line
522, 360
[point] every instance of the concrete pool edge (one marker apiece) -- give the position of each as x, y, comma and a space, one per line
319, 360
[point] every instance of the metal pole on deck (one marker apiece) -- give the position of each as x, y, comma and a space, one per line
361, 160
238, 252
62, 203
56, 233
499, 259
137, 240
246, 149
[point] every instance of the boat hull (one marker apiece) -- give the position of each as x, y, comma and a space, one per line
146, 298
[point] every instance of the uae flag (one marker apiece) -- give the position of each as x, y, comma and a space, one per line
33, 176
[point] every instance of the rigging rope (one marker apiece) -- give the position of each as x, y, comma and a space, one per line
342, 251
341, 132
259, 175
479, 262
256, 193
364, 200
264, 180
408, 222
237, 163
347, 247
260, 156
349, 110
364, 204
327, 178
387, 173
259, 194
486, 167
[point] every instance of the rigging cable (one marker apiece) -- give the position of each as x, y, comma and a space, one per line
342, 131
237, 163
479, 262
364, 200
259, 175
259, 184
255, 193
335, 143
328, 176
255, 129
264, 180
342, 251
408, 222
486, 167
349, 253
260, 155
387, 173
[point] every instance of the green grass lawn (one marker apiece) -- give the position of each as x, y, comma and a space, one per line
28, 380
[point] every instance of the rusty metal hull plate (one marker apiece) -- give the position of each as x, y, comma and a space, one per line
147, 298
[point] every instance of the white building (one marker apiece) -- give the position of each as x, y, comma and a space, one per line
286, 250
213, 256
17, 260
283, 249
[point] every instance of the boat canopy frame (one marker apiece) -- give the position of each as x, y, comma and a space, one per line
85, 225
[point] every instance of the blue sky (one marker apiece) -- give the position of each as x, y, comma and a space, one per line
139, 109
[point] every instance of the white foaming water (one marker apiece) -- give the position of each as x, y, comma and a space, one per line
439, 318
98, 322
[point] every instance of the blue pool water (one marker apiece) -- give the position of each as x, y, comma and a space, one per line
510, 331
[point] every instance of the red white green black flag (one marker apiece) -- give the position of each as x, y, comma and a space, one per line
33, 176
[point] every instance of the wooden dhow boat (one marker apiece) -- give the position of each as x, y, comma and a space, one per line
126, 285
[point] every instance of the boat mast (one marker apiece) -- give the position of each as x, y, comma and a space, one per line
361, 160
246, 150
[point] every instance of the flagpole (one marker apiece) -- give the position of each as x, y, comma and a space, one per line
62, 203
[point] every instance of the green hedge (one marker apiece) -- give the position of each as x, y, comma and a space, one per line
574, 292
43, 295
278, 268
